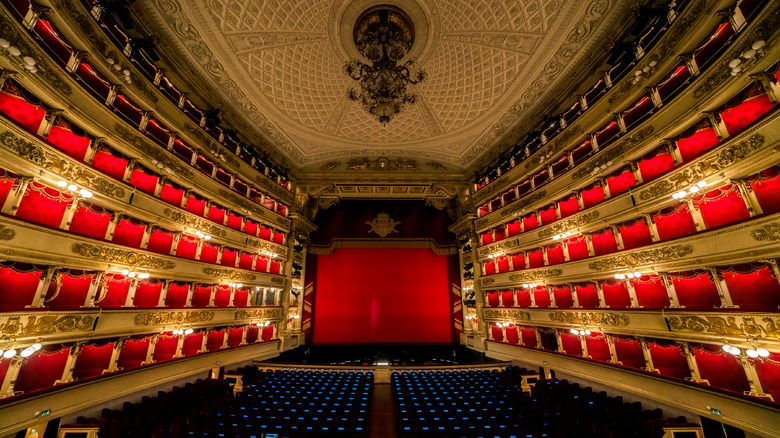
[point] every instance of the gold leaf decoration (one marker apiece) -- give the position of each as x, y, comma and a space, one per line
383, 225
114, 255
164, 318
637, 258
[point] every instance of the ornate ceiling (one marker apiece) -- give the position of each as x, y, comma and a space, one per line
278, 65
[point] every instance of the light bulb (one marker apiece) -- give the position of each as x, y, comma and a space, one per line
525, 285
27, 352
188, 331
556, 237
239, 284
207, 237
110, 61
72, 187
131, 274
574, 331
199, 234
749, 53
617, 276
758, 45
735, 62
29, 60
125, 271
734, 350
1, 352
726, 347
85, 193
14, 51
36, 346
694, 189
587, 332
582, 332
62, 183
763, 352
637, 274
9, 353
702, 184
630, 275
4, 43
751, 353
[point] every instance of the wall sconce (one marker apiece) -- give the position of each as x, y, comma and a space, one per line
750, 56
134, 274
635, 274
118, 67
751, 352
74, 189
531, 285
269, 253
11, 352
639, 75
692, 190
495, 255
235, 285
565, 235
26, 62
182, 331
504, 324
201, 235
582, 332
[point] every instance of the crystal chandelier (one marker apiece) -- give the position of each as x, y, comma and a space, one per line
384, 36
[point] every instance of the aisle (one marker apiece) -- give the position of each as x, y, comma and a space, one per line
382, 419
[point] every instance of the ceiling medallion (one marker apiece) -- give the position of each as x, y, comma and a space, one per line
384, 36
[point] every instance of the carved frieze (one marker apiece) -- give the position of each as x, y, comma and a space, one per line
497, 247
613, 153
153, 152
506, 314
194, 222
535, 275
38, 325
751, 326
275, 313
278, 280
6, 233
569, 224
768, 233
229, 274
114, 255
637, 258
608, 319
166, 318
487, 281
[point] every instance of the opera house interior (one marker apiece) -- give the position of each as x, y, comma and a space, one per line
389, 218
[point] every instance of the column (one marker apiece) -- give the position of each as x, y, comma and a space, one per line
565, 248
67, 217
243, 334
751, 202
532, 294
620, 121
92, 149
175, 244
212, 294
48, 122
584, 346
503, 333
112, 364
131, 293
600, 292
70, 363
552, 298
538, 338
500, 298
112, 95
589, 243
232, 297
129, 169
652, 227
723, 289
41, 291
698, 221
180, 346
693, 367
75, 59
514, 298
7, 385
145, 239
648, 357
112, 226
559, 341
163, 294
717, 123
198, 249
618, 237
756, 389
575, 299
490, 333
613, 357
15, 196
632, 294
144, 120
519, 330
150, 351
655, 96
190, 291
95, 288
671, 292
33, 14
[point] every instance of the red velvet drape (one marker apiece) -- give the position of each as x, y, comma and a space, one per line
635, 234
651, 168
209, 253
741, 116
70, 143
674, 222
722, 206
616, 294
110, 164
234, 337
542, 297
529, 337
192, 344
252, 334
753, 287
128, 233
165, 348
133, 353
92, 360
513, 228
201, 296
620, 182
25, 113
503, 263
146, 182
592, 195
577, 247
18, 286
217, 214
563, 297
195, 205
222, 297
43, 205
177, 295
695, 289
721, 369
598, 349
650, 291
571, 344
114, 292
250, 228
555, 254
187, 247
41, 370
768, 371
530, 222
569, 207
535, 258
160, 241
90, 221
587, 295
172, 194
548, 215
518, 261
229, 257
669, 361
268, 333
629, 352
766, 186
72, 291
523, 298
511, 334
245, 261
215, 339
697, 143
603, 242
147, 294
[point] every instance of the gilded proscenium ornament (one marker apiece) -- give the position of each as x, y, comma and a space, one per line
165, 318
637, 258
767, 233
535, 275
113, 255
751, 326
569, 224
707, 167
506, 315
591, 318
383, 225
38, 325
229, 274
272, 313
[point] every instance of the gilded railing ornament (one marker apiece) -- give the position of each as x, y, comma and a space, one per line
637, 258
383, 225
6, 233
496, 247
769, 232
506, 314
523, 203
273, 313
203, 225
608, 319
568, 224
614, 153
229, 274
767, 326
487, 281
113, 255
46, 324
165, 318
535, 275
152, 152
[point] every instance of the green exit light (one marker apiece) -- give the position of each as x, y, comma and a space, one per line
544, 362
715, 411
45, 413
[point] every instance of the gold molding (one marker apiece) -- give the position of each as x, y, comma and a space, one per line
506, 314
113, 255
383, 225
568, 224
6, 233
273, 313
637, 258
767, 328
38, 325
163, 318
769, 232
591, 318
536, 275
230, 274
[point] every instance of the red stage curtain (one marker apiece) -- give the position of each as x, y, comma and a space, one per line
25, 113
621, 181
487, 238
511, 334
92, 360
73, 288
192, 344
603, 242
766, 186
234, 221
571, 344
276, 267
234, 337
513, 228
542, 297
530, 222
548, 215
229, 257
587, 295
669, 361
128, 233
209, 253
245, 261
673, 222
506, 295
518, 261
133, 353
109, 163
90, 221
43, 205
41, 370
215, 340
635, 234
697, 143
598, 349
252, 334
593, 195
569, 207
555, 254
616, 294
147, 294
523, 298
268, 333
240, 298
768, 371
217, 214
503, 263
529, 337
563, 297
722, 206
250, 228
629, 352
721, 369
695, 289
261, 263
752, 287
659, 163
160, 241
176, 297
18, 284
650, 291
187, 247
165, 348
171, 194
114, 292
577, 247
265, 233
70, 143
741, 116
146, 182
195, 205
201, 296
221, 297
535, 258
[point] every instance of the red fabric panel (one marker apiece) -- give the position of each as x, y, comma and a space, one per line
513, 228
529, 337
128, 234
209, 253
677, 224
598, 348
26, 114
563, 297
240, 298
653, 167
17, 289
696, 292
234, 221
499, 233
201, 296
234, 337
250, 228
518, 261
114, 166
603, 242
195, 205
229, 257
276, 267
176, 297
72, 292
587, 295
129, 109
252, 334
592, 196
757, 290
147, 294
92, 360
542, 297
530, 222
650, 291
6, 185
607, 133
669, 361
281, 209
268, 333
160, 242
692, 146
483, 210
620, 183
187, 247
569, 207
616, 294
216, 214
41, 370
536, 258
523, 298
245, 261
635, 235
115, 291
555, 254
165, 348
738, 118
261, 264
133, 353
629, 352
43, 205
769, 374
221, 297
192, 344
549, 342
487, 238
548, 215
265, 233
577, 247
171, 194
68, 142
638, 110
215, 339
144, 181
507, 297
722, 206
571, 344
511, 334
721, 369
767, 192
503, 264
89, 223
